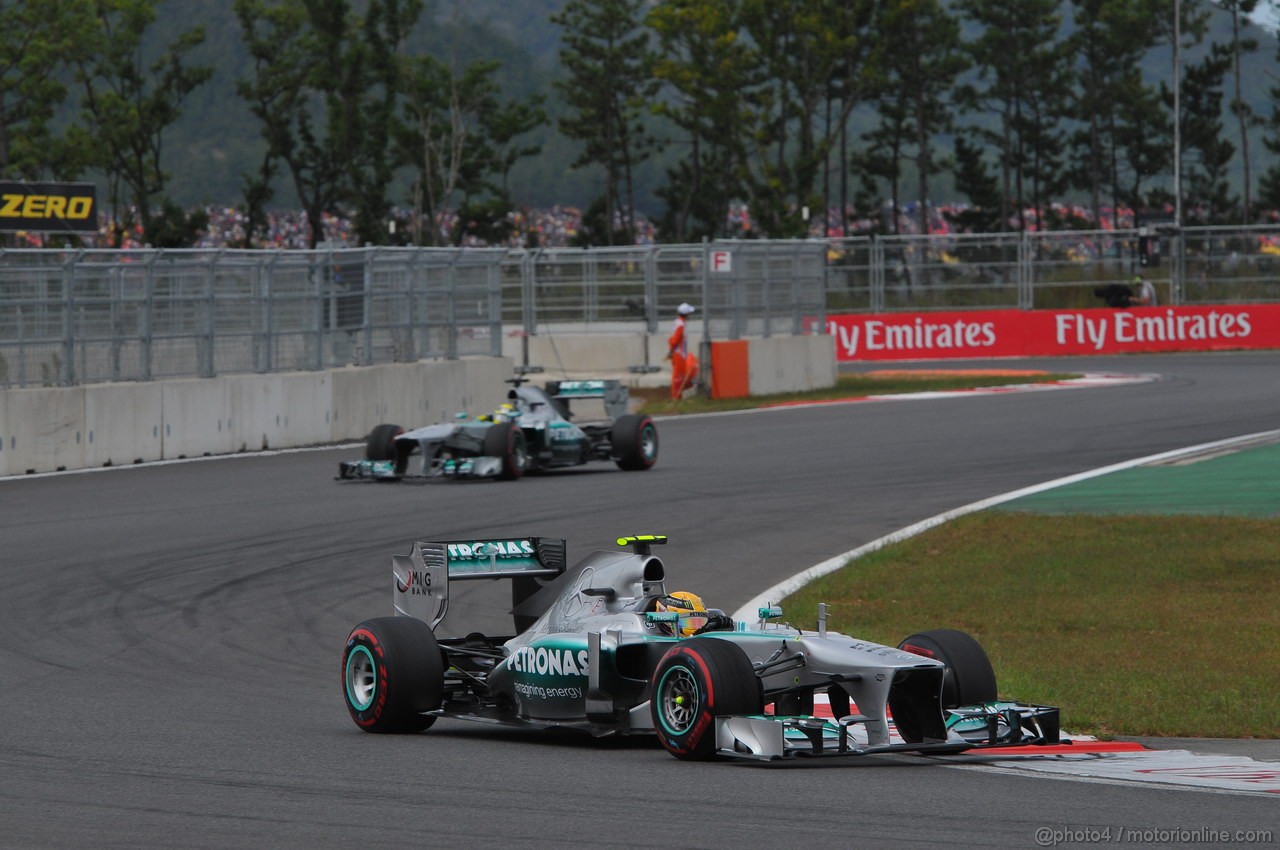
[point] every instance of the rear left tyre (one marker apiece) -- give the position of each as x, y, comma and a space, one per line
392, 671
634, 440
696, 681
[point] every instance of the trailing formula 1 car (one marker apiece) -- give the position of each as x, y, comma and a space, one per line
530, 432
603, 647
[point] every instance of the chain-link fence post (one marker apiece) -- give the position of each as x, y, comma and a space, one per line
209, 331
451, 285
1178, 268
1026, 294
877, 274
651, 293
368, 258
66, 374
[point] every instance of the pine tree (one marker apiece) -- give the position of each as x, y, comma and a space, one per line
608, 90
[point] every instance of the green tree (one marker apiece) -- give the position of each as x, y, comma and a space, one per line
1015, 57
1189, 26
1207, 153
462, 141
976, 182
918, 70
284, 95
1242, 44
881, 161
703, 65
1269, 182
1142, 150
806, 53
362, 107
1110, 39
608, 88
39, 41
324, 86
130, 101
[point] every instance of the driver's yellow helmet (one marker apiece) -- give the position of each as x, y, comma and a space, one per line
693, 614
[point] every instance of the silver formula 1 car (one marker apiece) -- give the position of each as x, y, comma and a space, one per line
530, 432
587, 648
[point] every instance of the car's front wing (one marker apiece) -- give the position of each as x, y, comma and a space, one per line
770, 738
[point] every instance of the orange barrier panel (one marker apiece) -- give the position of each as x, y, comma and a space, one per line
730, 372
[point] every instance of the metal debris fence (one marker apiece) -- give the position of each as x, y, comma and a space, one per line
71, 317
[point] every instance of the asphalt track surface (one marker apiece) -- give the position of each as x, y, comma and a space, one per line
171, 633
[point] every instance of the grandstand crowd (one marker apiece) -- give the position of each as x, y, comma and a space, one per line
553, 227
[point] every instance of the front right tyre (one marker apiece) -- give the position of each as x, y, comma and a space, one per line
392, 671
970, 679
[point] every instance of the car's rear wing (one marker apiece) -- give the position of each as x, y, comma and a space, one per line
421, 587
614, 394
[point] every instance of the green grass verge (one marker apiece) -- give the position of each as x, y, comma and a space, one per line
658, 402
1133, 625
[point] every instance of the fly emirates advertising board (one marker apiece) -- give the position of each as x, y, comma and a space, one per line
1048, 333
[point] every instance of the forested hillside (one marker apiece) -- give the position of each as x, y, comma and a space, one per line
677, 108
217, 139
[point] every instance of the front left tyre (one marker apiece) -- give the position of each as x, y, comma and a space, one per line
382, 445
505, 441
392, 671
696, 681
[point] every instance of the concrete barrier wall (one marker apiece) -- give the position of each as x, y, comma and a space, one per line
197, 418
279, 410
54, 428
413, 394
124, 422
598, 352
780, 364
46, 429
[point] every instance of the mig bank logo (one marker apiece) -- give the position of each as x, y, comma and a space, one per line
414, 582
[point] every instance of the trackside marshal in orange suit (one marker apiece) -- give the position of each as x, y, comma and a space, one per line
48, 207
684, 366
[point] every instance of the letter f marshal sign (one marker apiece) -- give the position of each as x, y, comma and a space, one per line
721, 262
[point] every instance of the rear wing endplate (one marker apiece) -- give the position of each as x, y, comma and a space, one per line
421, 578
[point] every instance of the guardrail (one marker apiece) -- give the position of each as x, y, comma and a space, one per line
81, 317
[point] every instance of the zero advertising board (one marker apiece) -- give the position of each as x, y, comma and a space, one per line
48, 207
1049, 333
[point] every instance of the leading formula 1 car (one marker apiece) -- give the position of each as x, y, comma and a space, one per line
530, 432
587, 648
